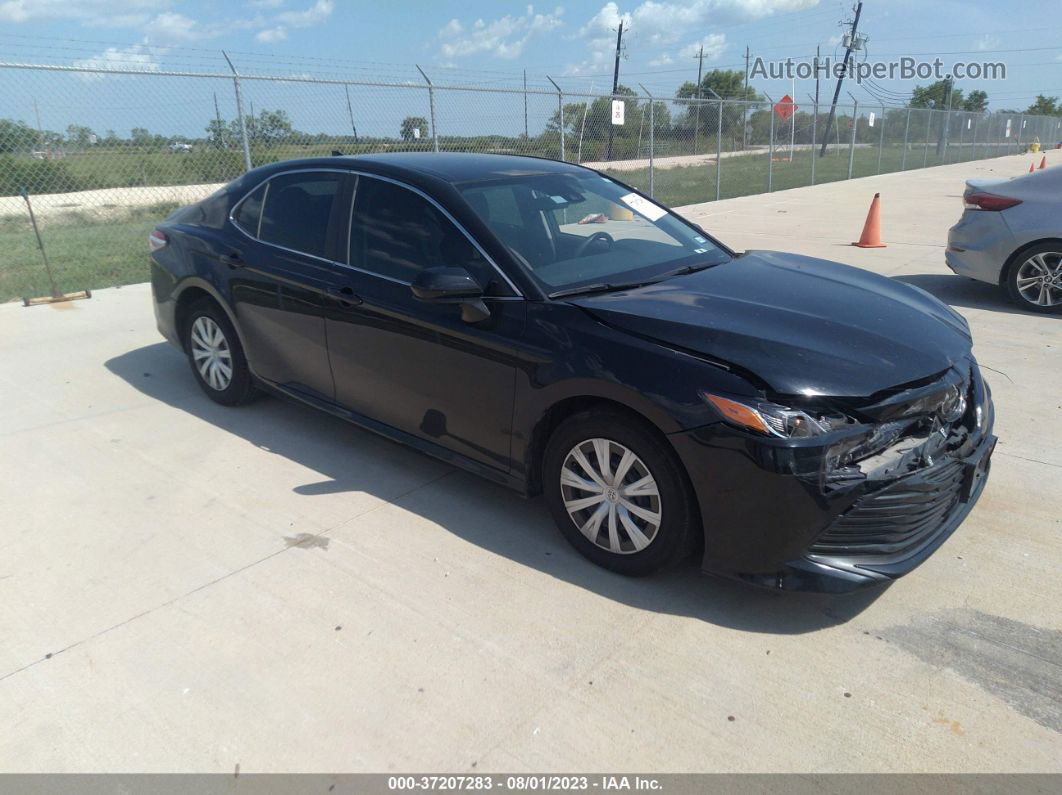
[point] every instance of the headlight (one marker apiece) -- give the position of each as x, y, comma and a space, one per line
775, 420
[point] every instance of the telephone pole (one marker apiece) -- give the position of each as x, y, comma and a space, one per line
697, 122
615, 88
221, 130
816, 75
745, 104
852, 43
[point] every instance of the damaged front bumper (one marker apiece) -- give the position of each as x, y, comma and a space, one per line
802, 514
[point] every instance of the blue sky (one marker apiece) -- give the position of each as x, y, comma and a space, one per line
491, 43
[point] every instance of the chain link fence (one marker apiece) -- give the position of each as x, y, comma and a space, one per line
104, 154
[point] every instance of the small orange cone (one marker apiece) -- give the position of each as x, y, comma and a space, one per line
871, 237
1043, 162
1032, 167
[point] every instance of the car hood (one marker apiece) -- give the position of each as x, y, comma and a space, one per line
804, 326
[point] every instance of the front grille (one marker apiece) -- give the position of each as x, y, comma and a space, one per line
897, 520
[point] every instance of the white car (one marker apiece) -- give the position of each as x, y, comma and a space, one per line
177, 146
1010, 234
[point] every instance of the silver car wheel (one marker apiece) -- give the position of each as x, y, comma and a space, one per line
1039, 279
611, 496
211, 354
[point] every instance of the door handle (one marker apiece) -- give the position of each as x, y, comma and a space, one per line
232, 259
345, 295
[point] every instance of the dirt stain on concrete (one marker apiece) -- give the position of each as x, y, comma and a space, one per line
942, 720
1016, 662
306, 541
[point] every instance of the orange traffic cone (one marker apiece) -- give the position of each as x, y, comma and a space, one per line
1043, 162
1032, 167
871, 237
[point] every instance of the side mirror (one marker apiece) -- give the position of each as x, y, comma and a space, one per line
452, 286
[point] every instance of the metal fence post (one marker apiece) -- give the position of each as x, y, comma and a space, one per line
814, 135
718, 145
962, 131
560, 111
1021, 123
855, 126
431, 108
770, 146
881, 138
239, 114
925, 151
906, 132
652, 136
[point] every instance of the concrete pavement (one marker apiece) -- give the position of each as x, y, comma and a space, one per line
185, 587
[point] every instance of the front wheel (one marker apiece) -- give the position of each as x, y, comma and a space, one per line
618, 492
1035, 279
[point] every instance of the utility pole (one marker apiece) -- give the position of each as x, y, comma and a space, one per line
942, 140
852, 41
816, 75
745, 104
615, 87
350, 112
697, 122
221, 130
525, 104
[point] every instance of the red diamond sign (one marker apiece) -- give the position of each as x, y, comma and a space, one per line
785, 108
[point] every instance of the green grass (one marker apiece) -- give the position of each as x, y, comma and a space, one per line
745, 175
84, 252
90, 252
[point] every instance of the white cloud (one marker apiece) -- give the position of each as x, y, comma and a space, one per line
662, 24
315, 14
504, 38
714, 45
271, 35
987, 42
138, 58
173, 28
159, 23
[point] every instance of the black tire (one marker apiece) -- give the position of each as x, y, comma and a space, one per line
679, 526
240, 387
1053, 257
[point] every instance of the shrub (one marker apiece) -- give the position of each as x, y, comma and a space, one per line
36, 176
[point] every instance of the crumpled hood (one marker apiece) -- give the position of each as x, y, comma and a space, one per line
803, 325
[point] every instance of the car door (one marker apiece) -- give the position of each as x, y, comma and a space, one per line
293, 227
413, 365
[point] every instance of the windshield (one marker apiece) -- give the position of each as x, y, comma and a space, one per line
585, 230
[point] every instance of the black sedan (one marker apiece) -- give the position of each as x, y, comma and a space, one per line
797, 422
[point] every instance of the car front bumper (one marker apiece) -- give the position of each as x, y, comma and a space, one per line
776, 515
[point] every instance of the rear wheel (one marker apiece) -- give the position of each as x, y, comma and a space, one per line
1034, 281
618, 492
216, 356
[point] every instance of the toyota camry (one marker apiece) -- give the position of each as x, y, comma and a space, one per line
796, 423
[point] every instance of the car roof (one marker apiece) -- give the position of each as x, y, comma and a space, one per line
452, 167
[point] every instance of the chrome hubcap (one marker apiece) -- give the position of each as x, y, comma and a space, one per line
211, 354
1039, 279
611, 496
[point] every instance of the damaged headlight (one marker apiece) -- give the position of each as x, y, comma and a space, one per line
776, 420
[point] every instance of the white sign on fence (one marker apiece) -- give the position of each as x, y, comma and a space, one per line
618, 109
870, 121
968, 123
1007, 135
416, 132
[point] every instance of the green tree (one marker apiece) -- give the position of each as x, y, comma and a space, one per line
79, 135
935, 96
411, 123
976, 101
273, 127
17, 136
729, 84
1045, 106
141, 137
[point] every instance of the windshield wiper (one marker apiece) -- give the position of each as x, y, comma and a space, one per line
591, 288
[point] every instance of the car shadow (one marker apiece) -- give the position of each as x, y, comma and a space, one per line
962, 291
477, 511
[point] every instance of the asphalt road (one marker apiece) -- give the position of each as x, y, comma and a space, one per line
185, 587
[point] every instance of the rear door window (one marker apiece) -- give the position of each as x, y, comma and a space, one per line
249, 211
300, 210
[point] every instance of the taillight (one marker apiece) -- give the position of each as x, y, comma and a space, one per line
988, 201
156, 240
